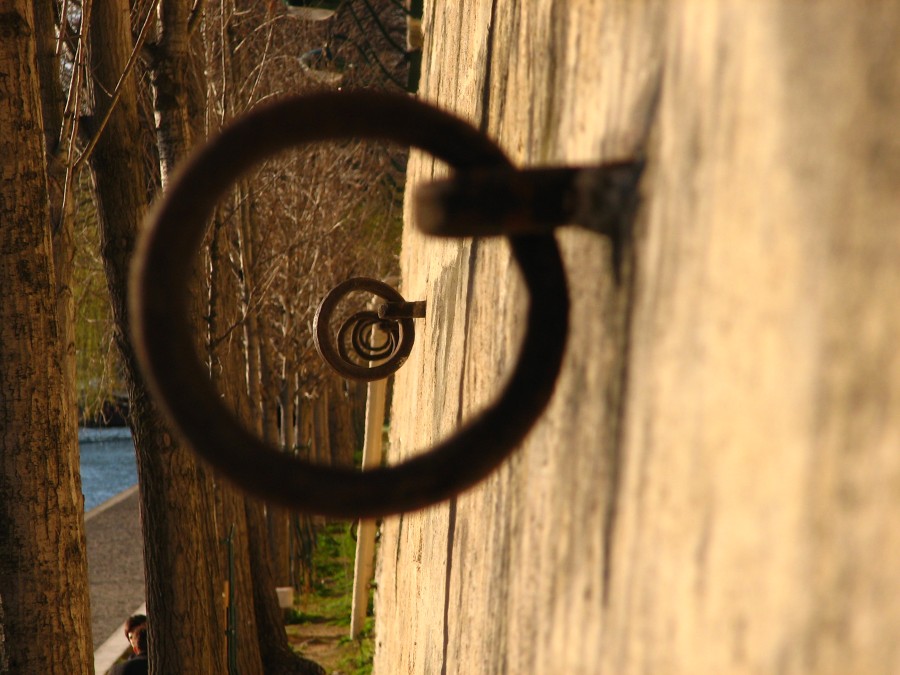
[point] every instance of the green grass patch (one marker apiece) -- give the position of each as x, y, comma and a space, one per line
319, 624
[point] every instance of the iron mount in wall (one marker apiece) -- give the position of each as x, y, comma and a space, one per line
384, 337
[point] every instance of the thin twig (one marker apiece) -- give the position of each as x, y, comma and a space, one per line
261, 64
196, 15
63, 27
73, 102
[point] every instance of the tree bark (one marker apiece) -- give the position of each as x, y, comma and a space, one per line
303, 527
61, 208
278, 657
62, 211
170, 95
322, 443
278, 522
175, 104
340, 424
44, 623
182, 595
226, 356
279, 519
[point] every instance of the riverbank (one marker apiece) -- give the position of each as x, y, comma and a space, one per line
319, 623
115, 562
108, 465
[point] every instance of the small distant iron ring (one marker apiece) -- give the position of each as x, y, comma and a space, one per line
362, 336
338, 357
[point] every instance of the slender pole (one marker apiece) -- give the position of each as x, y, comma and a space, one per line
365, 539
231, 611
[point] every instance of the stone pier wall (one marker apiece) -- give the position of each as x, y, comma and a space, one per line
716, 485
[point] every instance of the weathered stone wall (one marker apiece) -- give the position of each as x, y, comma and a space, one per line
716, 485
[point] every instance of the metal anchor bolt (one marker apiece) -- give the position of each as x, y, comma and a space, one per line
492, 201
402, 310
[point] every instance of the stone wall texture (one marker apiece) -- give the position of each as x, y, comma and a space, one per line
715, 487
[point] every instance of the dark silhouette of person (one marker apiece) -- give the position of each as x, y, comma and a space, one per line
133, 622
136, 632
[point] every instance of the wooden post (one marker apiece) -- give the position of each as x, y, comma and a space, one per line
365, 539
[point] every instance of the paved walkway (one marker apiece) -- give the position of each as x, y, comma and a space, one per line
115, 563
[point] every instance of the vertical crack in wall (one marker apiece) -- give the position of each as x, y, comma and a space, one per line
451, 524
397, 551
488, 65
451, 529
617, 397
626, 272
473, 256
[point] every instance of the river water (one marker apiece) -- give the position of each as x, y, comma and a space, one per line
107, 463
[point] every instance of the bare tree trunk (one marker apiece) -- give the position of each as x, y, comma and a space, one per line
270, 404
226, 356
278, 657
268, 386
170, 96
279, 519
42, 546
185, 627
340, 424
323, 451
279, 523
306, 433
61, 208
177, 93
303, 530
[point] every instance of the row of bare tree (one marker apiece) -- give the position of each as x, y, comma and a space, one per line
120, 92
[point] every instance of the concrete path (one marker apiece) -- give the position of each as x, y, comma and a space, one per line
115, 563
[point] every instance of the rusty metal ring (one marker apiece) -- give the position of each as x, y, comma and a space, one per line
359, 330
159, 306
337, 356
363, 337
354, 338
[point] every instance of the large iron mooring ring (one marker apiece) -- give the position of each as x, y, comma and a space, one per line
159, 306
